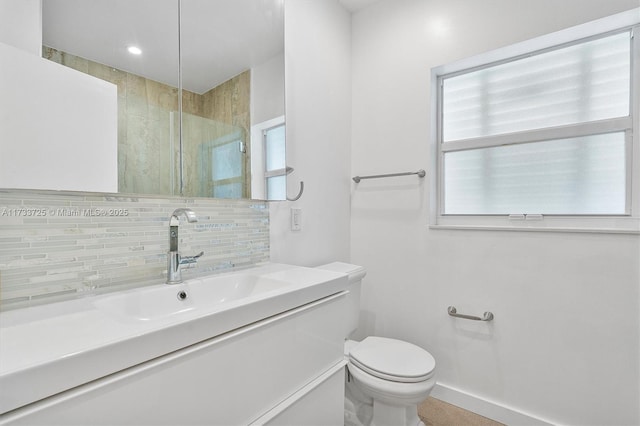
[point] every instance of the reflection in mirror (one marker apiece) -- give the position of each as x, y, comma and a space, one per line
214, 158
275, 167
134, 45
233, 84
232, 54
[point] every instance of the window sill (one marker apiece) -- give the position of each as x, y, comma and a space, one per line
604, 225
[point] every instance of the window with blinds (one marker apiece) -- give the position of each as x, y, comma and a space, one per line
546, 132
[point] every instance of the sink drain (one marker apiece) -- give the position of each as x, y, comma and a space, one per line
182, 295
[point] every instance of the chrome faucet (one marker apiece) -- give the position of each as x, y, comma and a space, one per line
175, 262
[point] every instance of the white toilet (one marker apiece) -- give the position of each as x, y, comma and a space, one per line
386, 378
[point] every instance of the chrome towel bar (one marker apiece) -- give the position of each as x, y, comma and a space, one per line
487, 316
421, 173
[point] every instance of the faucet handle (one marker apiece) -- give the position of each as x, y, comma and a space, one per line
190, 261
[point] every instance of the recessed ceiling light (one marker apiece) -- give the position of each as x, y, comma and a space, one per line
134, 50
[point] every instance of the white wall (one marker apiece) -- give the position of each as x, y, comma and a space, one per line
21, 24
58, 126
564, 343
267, 110
267, 90
318, 110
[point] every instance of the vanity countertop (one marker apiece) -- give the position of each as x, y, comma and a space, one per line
50, 348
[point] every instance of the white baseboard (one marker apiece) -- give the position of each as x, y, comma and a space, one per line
485, 408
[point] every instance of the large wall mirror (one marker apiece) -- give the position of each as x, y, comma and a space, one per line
199, 87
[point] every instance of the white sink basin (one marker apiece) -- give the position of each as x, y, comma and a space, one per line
164, 301
97, 336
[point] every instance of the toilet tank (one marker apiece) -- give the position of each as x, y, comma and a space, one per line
356, 274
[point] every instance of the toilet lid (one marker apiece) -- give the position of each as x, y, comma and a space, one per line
394, 360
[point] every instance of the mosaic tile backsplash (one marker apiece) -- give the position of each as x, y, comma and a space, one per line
56, 246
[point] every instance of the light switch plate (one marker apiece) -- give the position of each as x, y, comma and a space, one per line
296, 219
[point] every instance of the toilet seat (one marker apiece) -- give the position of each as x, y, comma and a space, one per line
390, 392
393, 360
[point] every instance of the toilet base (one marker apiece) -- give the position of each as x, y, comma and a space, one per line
387, 415
361, 410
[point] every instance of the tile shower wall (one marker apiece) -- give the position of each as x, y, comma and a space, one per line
225, 110
56, 246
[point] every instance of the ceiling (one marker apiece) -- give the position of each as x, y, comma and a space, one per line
219, 38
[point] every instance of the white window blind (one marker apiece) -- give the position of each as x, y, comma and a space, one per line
570, 176
576, 84
275, 163
275, 148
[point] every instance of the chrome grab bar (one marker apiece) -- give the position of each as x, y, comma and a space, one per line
487, 316
421, 173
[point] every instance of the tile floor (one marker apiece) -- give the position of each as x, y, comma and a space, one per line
434, 412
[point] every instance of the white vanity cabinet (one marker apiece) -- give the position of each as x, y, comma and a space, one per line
284, 369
